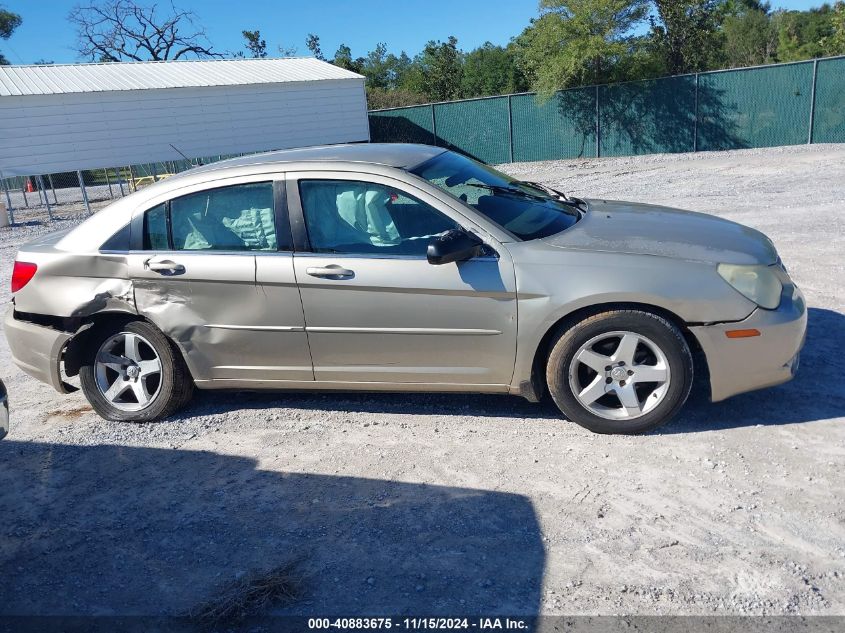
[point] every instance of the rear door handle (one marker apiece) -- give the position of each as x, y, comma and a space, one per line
332, 271
164, 266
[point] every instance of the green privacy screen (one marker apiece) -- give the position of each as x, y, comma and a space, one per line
478, 128
405, 125
829, 120
647, 117
751, 107
759, 107
561, 127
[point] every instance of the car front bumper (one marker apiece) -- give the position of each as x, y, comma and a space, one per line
738, 365
37, 349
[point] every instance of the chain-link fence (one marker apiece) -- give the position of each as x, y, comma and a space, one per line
51, 196
783, 104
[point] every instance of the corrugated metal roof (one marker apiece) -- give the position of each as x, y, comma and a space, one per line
106, 77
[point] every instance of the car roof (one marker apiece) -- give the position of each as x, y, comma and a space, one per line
400, 155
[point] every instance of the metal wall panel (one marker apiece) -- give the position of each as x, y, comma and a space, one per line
54, 133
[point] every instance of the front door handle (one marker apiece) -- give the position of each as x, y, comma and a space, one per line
164, 266
332, 271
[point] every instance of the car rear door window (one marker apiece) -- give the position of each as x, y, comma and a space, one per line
234, 218
352, 217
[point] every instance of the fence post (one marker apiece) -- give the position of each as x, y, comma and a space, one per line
132, 179
433, 125
52, 188
598, 126
154, 172
510, 127
41, 187
695, 119
108, 182
119, 177
24, 180
9, 207
84, 193
813, 101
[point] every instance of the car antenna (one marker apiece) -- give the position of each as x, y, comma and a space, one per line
199, 161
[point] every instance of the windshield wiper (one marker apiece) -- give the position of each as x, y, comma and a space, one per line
562, 196
546, 188
505, 190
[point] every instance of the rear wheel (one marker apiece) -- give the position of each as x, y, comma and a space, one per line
624, 371
134, 374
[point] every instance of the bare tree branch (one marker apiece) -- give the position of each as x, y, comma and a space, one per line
124, 30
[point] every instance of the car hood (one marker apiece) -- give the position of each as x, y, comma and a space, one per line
642, 229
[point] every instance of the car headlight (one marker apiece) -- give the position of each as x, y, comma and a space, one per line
761, 284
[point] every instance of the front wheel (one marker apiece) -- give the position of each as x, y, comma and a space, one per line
134, 374
623, 371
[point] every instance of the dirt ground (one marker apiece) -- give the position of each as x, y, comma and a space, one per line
447, 504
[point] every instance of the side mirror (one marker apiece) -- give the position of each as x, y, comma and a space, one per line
454, 245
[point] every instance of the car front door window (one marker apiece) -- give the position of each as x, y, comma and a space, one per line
360, 218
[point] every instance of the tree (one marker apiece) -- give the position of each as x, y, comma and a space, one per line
750, 36
438, 71
256, 46
122, 30
343, 59
685, 34
804, 34
312, 42
8, 23
580, 42
835, 43
491, 70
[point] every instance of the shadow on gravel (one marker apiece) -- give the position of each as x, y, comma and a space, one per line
811, 396
112, 530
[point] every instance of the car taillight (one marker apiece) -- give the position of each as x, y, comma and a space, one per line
21, 274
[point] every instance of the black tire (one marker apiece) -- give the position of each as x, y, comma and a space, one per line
176, 385
660, 331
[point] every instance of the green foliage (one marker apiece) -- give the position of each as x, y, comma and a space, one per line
685, 34
835, 43
492, 70
255, 46
312, 42
439, 71
380, 98
586, 42
804, 34
750, 39
580, 42
8, 23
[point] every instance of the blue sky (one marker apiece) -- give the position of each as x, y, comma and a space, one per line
403, 25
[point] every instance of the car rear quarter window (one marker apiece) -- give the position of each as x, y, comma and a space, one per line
155, 229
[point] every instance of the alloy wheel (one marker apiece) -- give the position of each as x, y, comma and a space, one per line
127, 369
619, 375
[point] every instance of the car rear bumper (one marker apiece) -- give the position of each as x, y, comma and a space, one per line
37, 349
738, 365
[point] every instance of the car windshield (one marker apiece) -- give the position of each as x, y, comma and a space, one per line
527, 211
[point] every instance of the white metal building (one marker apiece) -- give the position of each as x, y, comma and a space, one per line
65, 117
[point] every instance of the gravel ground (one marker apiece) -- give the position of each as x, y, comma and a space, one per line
429, 504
